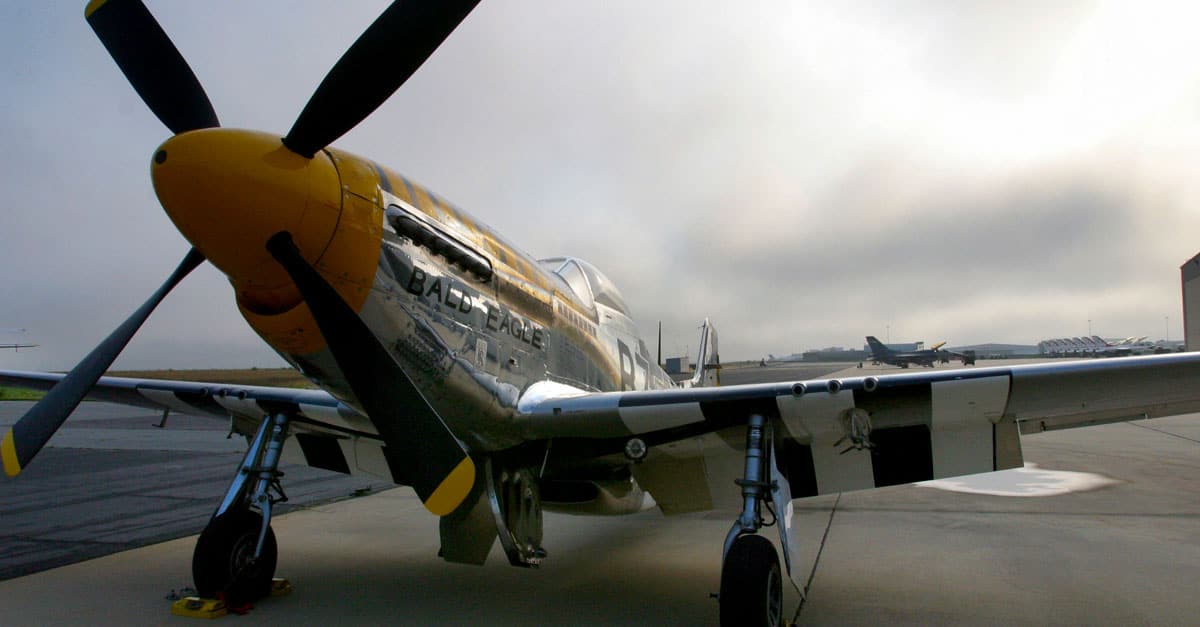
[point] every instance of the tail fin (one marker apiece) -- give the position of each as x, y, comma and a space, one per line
879, 349
708, 363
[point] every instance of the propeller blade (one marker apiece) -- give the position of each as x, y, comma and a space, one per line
151, 63
429, 456
382, 59
36, 427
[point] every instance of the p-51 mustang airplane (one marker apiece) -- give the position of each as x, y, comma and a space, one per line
496, 385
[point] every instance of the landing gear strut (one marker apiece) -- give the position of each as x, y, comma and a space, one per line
751, 583
236, 554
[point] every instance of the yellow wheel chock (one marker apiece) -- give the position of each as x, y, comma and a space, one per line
280, 587
196, 607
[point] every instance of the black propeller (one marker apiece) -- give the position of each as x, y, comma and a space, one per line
169, 87
418, 441
152, 64
36, 427
382, 59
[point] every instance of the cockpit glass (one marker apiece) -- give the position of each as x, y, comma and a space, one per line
586, 282
569, 272
603, 290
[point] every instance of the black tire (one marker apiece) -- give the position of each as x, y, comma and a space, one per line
751, 586
222, 564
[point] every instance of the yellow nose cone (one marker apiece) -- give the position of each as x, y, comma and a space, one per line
228, 191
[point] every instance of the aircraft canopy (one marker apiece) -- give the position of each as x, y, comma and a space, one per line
589, 284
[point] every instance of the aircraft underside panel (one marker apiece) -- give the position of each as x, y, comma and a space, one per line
357, 456
835, 442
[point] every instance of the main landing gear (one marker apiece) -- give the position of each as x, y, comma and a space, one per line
236, 554
517, 508
751, 581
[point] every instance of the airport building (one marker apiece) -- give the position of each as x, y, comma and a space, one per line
999, 351
1190, 277
678, 365
835, 354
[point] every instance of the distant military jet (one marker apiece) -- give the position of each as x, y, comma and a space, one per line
880, 353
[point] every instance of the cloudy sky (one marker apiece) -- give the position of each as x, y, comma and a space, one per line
804, 173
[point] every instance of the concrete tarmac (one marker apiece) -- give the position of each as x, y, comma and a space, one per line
1127, 553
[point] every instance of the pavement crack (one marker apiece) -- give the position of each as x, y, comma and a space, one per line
816, 561
1165, 432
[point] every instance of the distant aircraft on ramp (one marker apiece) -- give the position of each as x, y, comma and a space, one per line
880, 353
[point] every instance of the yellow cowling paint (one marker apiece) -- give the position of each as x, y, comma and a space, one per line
8, 451
292, 332
353, 253
348, 262
228, 191
453, 490
424, 202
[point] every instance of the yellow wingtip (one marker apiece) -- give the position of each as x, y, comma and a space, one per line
8, 451
453, 490
92, 6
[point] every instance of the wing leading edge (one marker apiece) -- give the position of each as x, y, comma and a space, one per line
837, 434
210, 399
328, 433
1040, 397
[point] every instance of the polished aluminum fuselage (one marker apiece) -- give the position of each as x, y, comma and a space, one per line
474, 342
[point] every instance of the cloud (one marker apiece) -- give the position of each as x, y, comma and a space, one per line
804, 173
1012, 260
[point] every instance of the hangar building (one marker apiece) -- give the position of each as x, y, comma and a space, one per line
1190, 275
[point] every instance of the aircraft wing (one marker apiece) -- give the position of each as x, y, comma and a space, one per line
832, 435
329, 434
859, 432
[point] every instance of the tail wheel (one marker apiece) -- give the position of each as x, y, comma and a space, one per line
224, 563
751, 585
